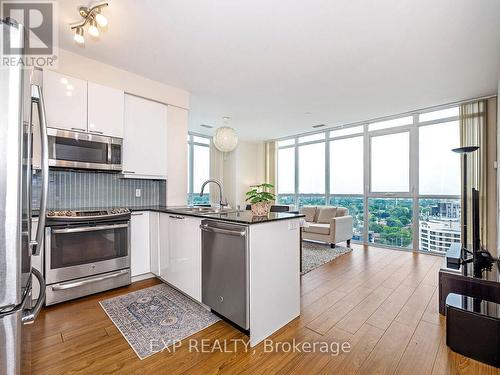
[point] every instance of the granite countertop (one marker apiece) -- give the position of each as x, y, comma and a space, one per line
241, 217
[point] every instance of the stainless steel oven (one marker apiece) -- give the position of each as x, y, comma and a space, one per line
86, 252
72, 149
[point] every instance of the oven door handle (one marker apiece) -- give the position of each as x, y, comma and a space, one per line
77, 284
89, 229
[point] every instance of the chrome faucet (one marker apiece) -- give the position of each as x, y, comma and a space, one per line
222, 203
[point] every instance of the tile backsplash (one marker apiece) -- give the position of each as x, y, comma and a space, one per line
71, 189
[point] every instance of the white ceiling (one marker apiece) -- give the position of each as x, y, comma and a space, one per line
266, 63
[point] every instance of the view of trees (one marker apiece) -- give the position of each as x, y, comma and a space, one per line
391, 221
196, 199
355, 207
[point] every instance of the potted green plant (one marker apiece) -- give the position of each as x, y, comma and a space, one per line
260, 199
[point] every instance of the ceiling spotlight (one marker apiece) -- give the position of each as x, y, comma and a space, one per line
93, 19
93, 30
101, 20
79, 35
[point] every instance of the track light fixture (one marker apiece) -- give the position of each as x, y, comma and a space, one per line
93, 19
79, 38
93, 30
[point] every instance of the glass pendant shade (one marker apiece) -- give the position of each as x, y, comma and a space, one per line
225, 139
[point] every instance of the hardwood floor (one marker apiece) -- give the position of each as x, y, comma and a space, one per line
382, 302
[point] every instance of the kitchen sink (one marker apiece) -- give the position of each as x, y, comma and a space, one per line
205, 210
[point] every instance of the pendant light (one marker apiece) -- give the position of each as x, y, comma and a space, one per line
225, 138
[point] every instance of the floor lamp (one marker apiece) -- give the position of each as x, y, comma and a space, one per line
465, 151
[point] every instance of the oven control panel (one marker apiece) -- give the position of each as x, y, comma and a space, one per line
87, 213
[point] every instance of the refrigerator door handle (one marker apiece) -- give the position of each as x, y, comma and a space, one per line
45, 172
29, 316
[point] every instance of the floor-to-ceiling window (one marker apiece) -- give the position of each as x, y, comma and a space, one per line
346, 179
439, 205
398, 177
390, 203
198, 156
311, 175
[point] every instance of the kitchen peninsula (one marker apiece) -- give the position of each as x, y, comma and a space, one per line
194, 252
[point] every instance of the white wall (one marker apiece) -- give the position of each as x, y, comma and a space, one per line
229, 177
243, 167
177, 110
177, 119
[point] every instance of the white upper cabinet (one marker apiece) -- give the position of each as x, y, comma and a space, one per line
65, 101
105, 110
145, 138
78, 105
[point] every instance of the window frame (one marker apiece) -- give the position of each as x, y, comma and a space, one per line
297, 162
191, 143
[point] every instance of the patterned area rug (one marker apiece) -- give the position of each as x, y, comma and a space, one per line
154, 318
315, 254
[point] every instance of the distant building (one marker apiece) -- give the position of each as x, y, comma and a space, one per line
438, 235
448, 210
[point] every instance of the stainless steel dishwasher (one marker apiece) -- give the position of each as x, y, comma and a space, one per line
225, 270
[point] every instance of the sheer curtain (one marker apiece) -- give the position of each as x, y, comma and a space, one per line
473, 133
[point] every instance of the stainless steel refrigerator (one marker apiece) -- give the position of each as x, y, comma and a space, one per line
21, 101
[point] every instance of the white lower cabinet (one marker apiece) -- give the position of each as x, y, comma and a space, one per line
180, 253
154, 233
140, 243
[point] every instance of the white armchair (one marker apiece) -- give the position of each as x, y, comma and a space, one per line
341, 230
327, 224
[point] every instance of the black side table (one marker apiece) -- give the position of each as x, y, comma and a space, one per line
473, 328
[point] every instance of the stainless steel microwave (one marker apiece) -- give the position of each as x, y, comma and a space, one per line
69, 149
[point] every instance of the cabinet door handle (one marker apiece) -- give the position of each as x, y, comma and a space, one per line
78, 129
128, 172
70, 285
207, 228
136, 213
96, 132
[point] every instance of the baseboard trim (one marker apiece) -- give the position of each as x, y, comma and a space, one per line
144, 276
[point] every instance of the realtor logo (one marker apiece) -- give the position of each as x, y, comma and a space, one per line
39, 45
